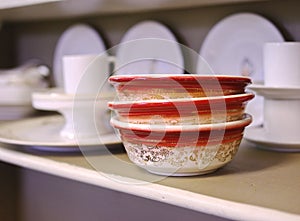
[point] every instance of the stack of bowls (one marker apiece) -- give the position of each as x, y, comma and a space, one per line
180, 125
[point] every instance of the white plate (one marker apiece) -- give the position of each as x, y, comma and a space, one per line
44, 134
77, 39
14, 112
234, 46
149, 48
276, 92
261, 139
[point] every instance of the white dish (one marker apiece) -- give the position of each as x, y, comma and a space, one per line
77, 39
259, 137
44, 133
79, 111
235, 46
149, 47
276, 92
15, 102
54, 99
15, 112
57, 95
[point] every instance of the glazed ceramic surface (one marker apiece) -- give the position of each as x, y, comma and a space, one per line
147, 87
235, 46
43, 133
262, 139
183, 111
182, 150
281, 64
78, 39
88, 107
272, 92
149, 47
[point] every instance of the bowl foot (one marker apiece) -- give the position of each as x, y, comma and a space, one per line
196, 173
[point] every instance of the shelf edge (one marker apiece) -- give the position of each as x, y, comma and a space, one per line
178, 197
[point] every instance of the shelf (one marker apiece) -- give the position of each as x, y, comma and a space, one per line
6, 4
75, 8
256, 185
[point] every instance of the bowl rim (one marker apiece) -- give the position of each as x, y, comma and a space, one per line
245, 121
140, 104
179, 77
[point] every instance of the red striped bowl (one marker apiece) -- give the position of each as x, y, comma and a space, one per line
183, 111
181, 150
148, 87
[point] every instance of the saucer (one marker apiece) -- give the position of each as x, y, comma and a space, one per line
258, 136
276, 92
43, 133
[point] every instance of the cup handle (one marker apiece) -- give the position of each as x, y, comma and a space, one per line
111, 64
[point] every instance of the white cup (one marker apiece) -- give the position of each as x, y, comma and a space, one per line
90, 71
85, 77
282, 121
282, 64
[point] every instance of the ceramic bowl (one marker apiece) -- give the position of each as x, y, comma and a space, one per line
189, 111
149, 87
181, 150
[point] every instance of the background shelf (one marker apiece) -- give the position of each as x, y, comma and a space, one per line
54, 9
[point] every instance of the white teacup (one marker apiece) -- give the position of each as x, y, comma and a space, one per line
84, 77
282, 64
90, 71
281, 120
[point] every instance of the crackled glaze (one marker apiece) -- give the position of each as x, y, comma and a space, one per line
183, 111
182, 161
193, 119
133, 94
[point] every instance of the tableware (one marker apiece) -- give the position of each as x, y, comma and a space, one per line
77, 66
281, 119
32, 74
16, 86
78, 39
149, 47
43, 133
16, 95
235, 46
273, 92
150, 87
188, 111
10, 112
15, 102
262, 139
181, 150
281, 64
88, 107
